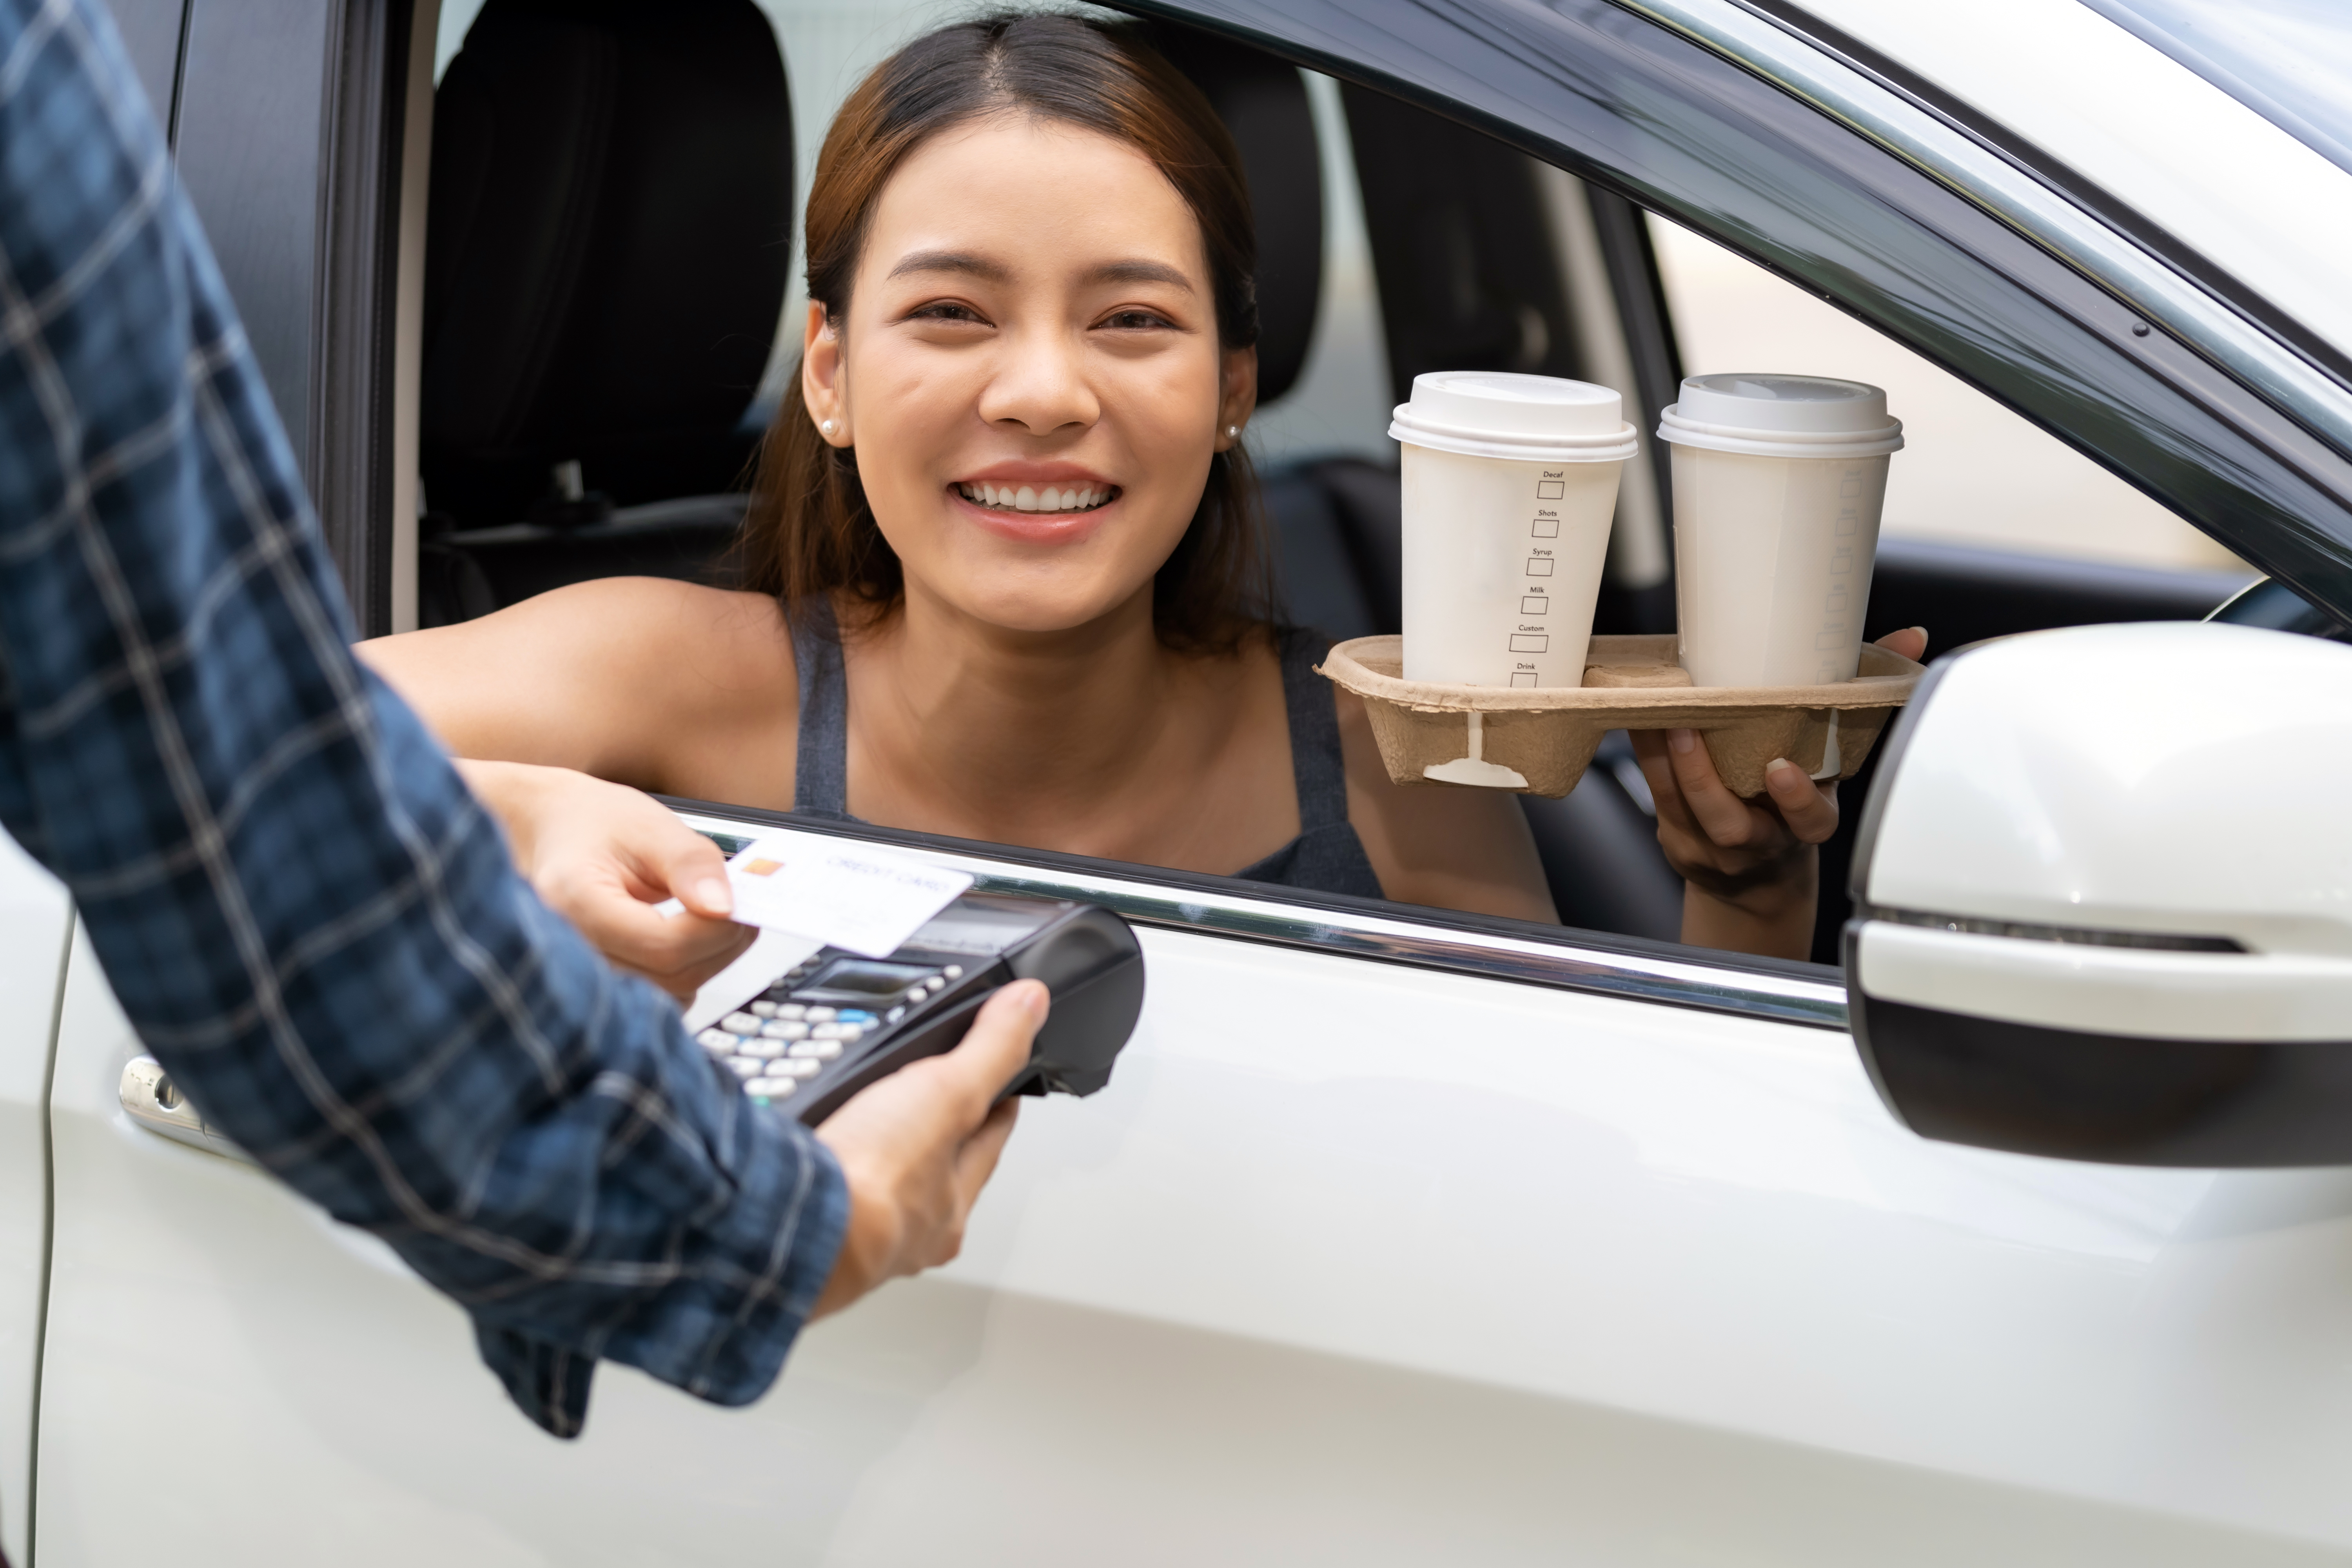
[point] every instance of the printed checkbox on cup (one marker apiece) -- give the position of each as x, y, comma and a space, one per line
1538, 565
1550, 489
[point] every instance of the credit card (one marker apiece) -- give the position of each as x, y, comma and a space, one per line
862, 898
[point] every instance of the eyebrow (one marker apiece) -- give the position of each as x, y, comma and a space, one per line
949, 261
1139, 272
968, 265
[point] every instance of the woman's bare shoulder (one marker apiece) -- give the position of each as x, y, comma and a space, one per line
591, 674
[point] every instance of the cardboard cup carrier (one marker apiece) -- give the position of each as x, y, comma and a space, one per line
1778, 481
1511, 482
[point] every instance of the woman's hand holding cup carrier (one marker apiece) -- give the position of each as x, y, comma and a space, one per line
1751, 867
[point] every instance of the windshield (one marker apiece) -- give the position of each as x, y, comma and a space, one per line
2288, 60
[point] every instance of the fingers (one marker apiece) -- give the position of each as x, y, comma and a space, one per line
1665, 794
1911, 642
678, 952
976, 1161
1811, 811
1722, 816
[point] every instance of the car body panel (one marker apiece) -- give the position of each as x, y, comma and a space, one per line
34, 917
1350, 1259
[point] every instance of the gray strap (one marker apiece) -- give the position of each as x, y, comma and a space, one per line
1317, 767
820, 764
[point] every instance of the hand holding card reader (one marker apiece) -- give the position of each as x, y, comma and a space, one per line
838, 1021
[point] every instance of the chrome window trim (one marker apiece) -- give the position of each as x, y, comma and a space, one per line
1561, 963
2043, 215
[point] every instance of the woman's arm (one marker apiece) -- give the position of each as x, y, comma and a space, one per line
1444, 846
612, 677
596, 679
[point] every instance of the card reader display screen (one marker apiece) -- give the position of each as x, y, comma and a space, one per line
981, 923
861, 983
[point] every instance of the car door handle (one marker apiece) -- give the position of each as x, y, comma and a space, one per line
155, 1102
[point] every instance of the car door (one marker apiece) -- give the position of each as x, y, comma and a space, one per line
1398, 1236
34, 916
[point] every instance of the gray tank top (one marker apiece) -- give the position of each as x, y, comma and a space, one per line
1325, 857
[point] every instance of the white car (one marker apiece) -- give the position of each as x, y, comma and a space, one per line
1398, 1236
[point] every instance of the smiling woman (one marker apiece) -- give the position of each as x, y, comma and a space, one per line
1002, 574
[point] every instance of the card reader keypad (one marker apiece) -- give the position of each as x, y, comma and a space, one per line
788, 1035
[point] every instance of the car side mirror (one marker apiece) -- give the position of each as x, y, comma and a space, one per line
2103, 893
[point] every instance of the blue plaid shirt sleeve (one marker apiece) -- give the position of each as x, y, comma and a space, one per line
310, 920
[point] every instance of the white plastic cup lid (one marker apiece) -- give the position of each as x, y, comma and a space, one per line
1782, 415
1531, 418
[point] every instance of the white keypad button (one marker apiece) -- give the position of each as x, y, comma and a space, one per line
746, 1067
816, 1050
716, 1040
819, 1014
790, 1010
739, 1024
800, 1069
771, 1087
780, 1030
764, 1009
833, 1031
953, 972
762, 1049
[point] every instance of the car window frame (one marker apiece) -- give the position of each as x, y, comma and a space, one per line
1490, 947
1780, 991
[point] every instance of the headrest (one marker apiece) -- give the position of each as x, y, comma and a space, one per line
607, 249
1263, 103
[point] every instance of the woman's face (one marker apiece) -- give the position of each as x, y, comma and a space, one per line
1029, 373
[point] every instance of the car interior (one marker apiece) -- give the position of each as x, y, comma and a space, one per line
608, 259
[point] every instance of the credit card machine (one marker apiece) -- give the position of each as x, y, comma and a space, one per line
839, 1021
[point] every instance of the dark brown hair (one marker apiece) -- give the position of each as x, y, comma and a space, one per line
808, 530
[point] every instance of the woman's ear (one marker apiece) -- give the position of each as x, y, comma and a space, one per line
823, 377
1239, 399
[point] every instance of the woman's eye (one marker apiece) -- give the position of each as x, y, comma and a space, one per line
1135, 321
945, 311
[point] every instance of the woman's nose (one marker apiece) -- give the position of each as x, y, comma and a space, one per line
1040, 384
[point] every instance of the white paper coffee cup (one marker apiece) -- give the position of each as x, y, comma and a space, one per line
1511, 482
1778, 483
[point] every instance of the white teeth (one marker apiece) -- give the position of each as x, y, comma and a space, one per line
1028, 498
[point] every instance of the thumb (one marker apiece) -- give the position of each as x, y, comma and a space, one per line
693, 871
997, 1048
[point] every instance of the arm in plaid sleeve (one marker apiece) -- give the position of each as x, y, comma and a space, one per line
304, 913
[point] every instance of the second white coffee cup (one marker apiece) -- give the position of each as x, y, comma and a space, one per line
1778, 483
1511, 482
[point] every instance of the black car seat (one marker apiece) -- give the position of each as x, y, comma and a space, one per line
606, 259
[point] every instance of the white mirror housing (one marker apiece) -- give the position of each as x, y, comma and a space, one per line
2102, 893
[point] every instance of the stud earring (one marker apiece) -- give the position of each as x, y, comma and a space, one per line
825, 426
1232, 432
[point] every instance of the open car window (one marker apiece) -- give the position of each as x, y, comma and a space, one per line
1471, 252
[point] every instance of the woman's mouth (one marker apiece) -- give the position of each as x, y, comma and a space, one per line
1038, 497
